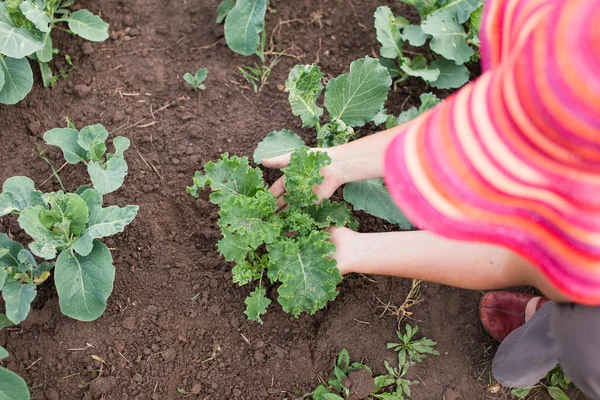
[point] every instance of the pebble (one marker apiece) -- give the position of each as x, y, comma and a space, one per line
138, 378
82, 90
169, 355
128, 20
259, 356
35, 127
128, 323
87, 48
175, 161
102, 385
237, 392
197, 388
186, 116
52, 394
134, 32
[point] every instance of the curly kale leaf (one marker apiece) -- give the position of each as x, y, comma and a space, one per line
230, 176
307, 273
256, 304
302, 175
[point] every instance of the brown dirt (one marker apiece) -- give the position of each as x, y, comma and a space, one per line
153, 337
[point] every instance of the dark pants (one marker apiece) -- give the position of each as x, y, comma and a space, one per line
565, 334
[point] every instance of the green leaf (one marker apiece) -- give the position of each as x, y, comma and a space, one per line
343, 360
1, 78
3, 353
45, 243
462, 9
223, 10
88, 26
3, 273
307, 272
476, 19
451, 75
47, 52
92, 138
18, 298
414, 35
448, 36
331, 213
304, 84
10, 250
46, 73
108, 177
256, 305
38, 17
357, 97
424, 7
520, 393
18, 79
557, 393
84, 283
407, 115
121, 145
68, 214
277, 143
321, 393
335, 133
303, 174
18, 193
372, 196
297, 220
12, 386
243, 26
383, 381
17, 42
67, 140
388, 33
245, 272
251, 218
4, 323
233, 247
428, 100
230, 176
103, 221
418, 67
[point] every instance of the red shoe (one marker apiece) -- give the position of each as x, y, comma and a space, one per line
503, 312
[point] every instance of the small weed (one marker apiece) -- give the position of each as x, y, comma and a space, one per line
258, 75
555, 383
391, 386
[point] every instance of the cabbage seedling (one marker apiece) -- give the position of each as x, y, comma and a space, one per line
25, 32
65, 228
196, 80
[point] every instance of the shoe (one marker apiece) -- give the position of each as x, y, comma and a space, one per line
503, 312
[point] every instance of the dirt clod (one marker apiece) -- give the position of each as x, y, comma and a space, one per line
102, 385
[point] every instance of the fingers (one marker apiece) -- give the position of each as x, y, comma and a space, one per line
278, 189
277, 162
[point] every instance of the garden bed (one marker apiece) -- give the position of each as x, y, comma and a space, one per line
175, 320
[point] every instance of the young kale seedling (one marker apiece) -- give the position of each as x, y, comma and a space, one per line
288, 247
25, 32
196, 81
12, 386
443, 25
65, 228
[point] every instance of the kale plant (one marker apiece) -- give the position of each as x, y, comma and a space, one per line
12, 386
352, 100
25, 32
244, 24
289, 247
451, 27
65, 228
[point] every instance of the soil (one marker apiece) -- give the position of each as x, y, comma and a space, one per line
174, 327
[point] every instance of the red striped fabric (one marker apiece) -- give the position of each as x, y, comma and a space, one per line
514, 157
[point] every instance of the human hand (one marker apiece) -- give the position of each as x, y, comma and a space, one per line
333, 177
344, 240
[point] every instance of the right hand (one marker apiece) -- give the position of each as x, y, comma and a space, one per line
333, 177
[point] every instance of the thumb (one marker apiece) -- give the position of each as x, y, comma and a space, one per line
277, 161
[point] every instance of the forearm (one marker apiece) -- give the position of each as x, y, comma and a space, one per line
423, 255
363, 158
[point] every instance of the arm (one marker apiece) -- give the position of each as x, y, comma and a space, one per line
426, 256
